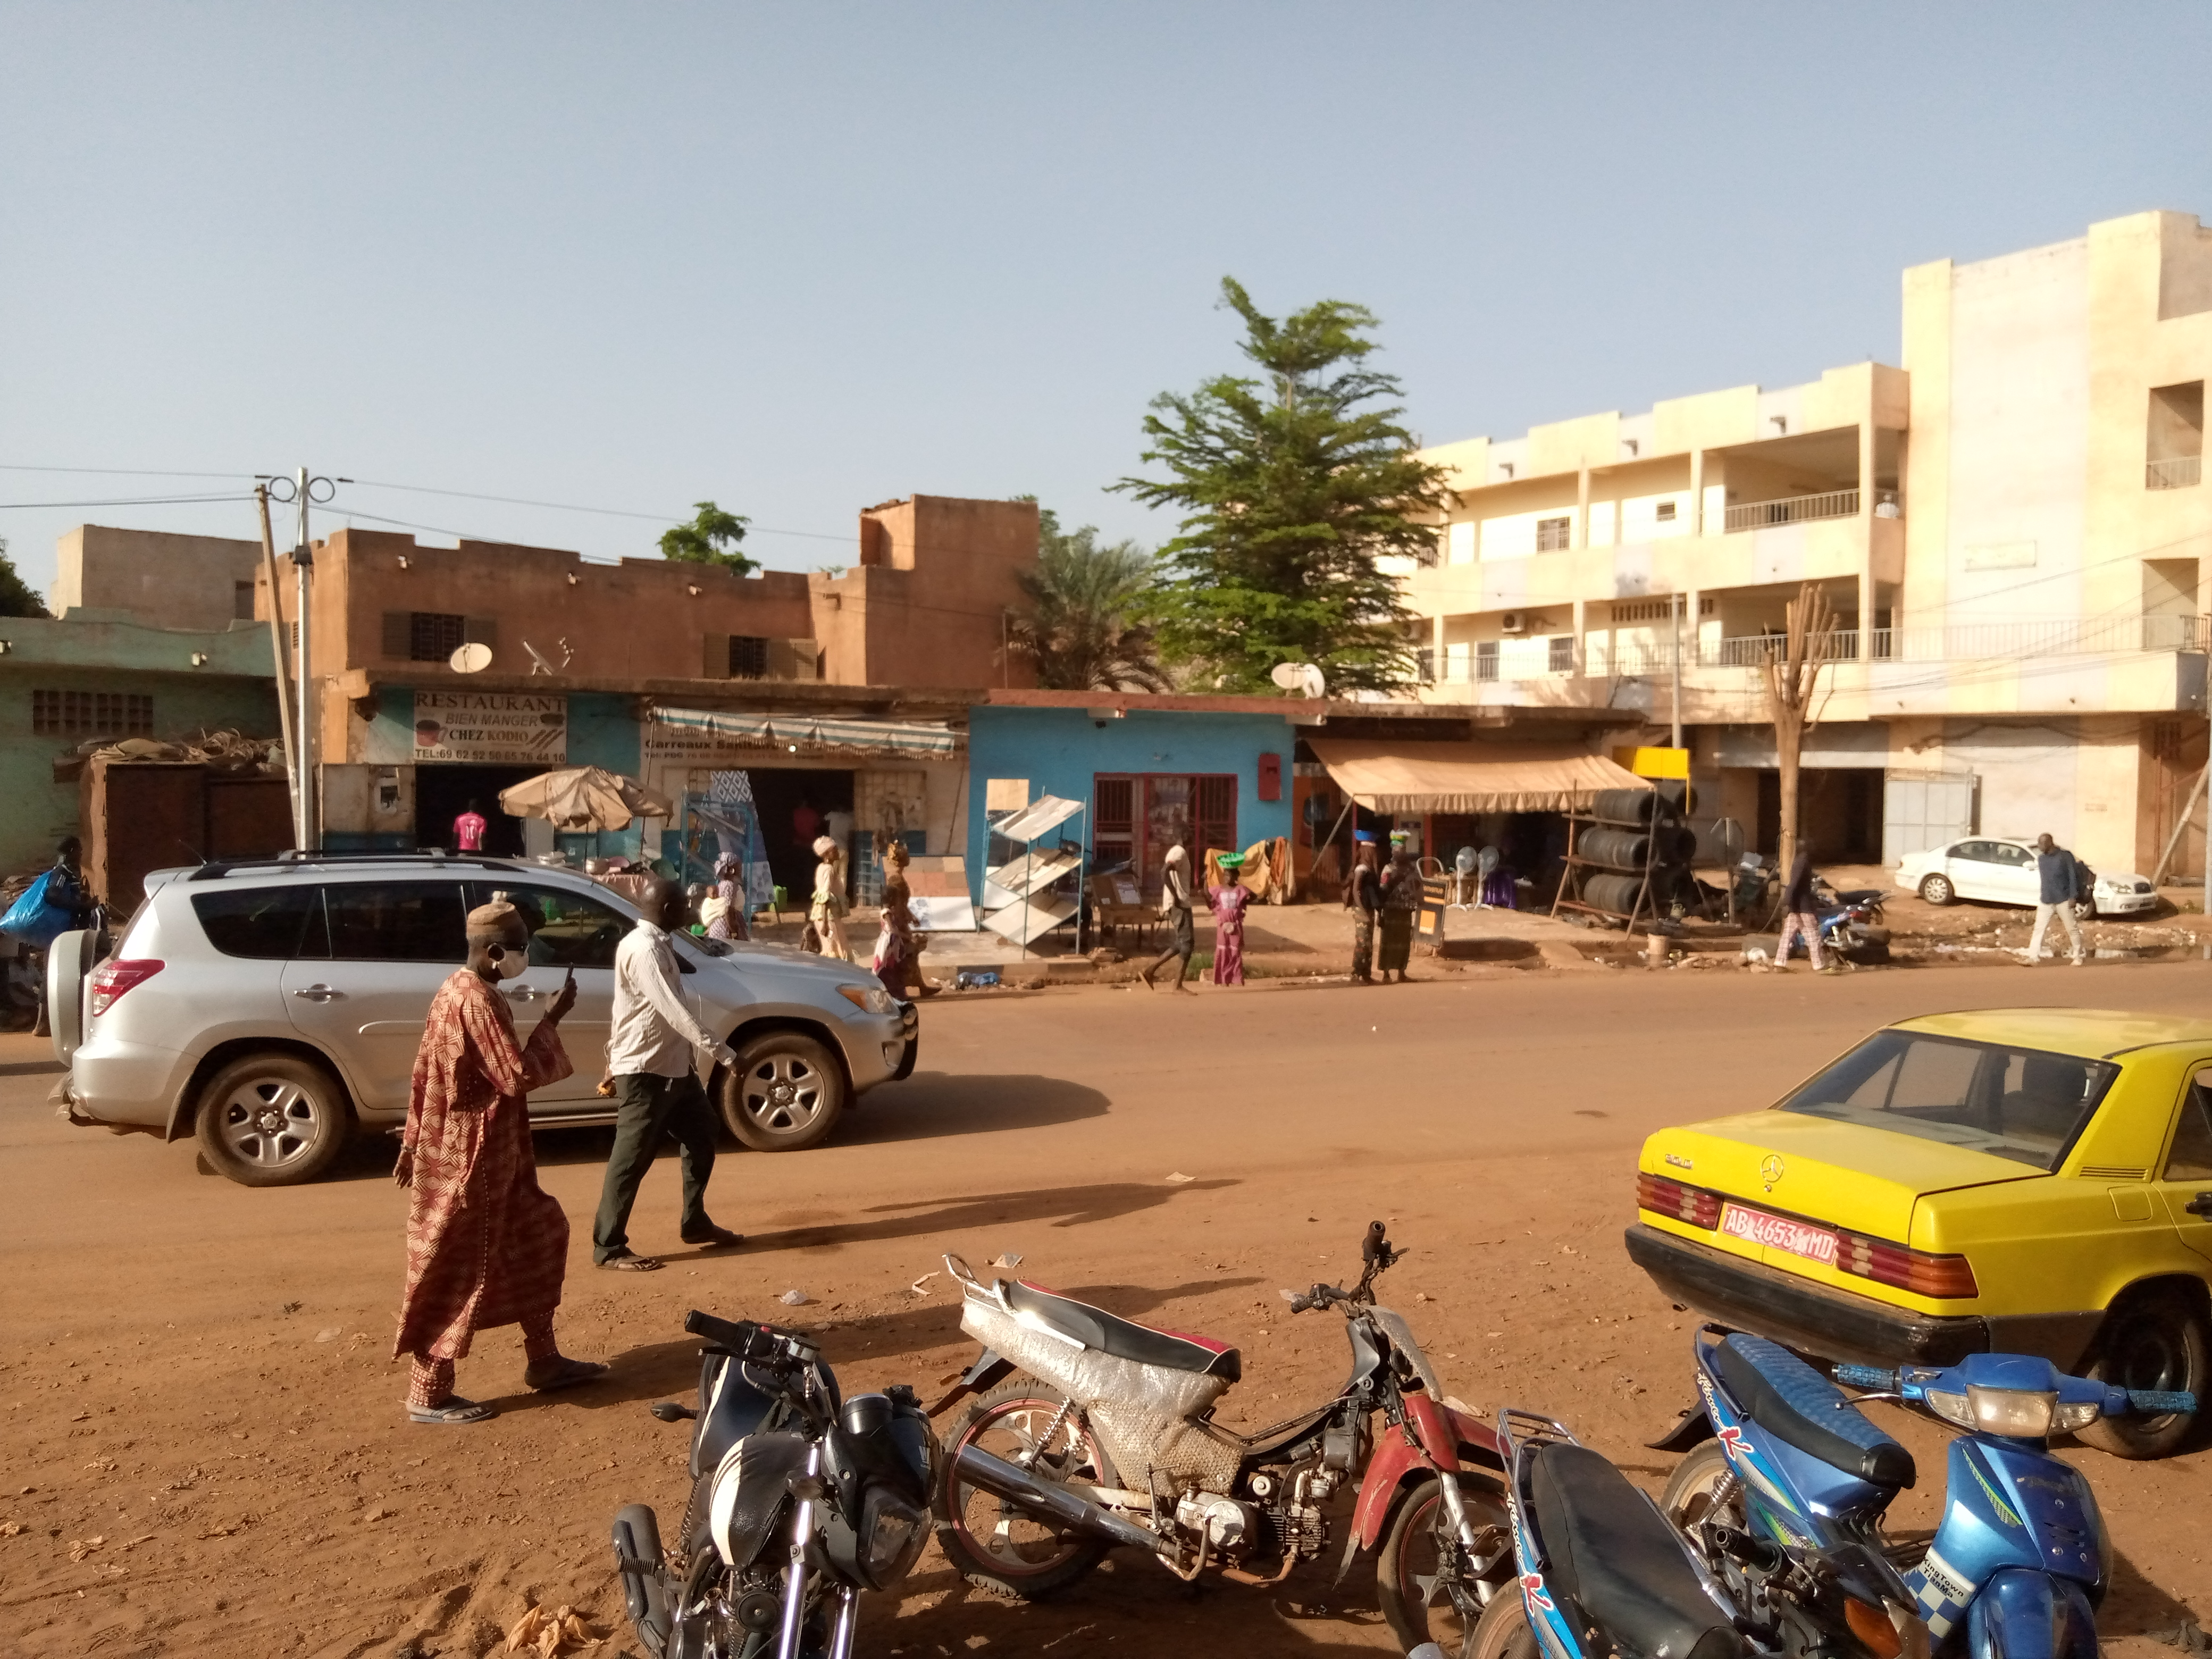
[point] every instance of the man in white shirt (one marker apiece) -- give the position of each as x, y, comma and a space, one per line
651, 1052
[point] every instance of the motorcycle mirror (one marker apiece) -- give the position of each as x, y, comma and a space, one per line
669, 1411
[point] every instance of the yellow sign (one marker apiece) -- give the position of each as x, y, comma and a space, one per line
1654, 762
1006, 794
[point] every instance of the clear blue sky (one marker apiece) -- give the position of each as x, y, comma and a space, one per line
804, 258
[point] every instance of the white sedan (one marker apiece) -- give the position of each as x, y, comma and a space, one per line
2003, 872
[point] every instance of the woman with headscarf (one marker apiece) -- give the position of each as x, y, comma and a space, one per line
1229, 900
1402, 903
1363, 896
724, 912
1176, 911
830, 906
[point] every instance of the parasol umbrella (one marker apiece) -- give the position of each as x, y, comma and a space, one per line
584, 798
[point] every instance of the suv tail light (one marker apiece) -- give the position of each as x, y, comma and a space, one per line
1672, 1198
111, 979
1950, 1276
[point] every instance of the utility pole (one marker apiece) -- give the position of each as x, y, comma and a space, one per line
1674, 699
306, 807
276, 650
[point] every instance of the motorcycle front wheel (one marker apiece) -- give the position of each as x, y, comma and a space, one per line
993, 1544
1502, 1632
1420, 1578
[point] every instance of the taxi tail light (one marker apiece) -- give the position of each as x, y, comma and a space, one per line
111, 979
1678, 1200
1946, 1276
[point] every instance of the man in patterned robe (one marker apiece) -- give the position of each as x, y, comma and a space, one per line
486, 1245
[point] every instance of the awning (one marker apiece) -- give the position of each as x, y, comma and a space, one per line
1469, 777
814, 731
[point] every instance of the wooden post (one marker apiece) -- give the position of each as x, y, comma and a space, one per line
283, 674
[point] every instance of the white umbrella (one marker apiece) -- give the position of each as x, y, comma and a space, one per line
584, 798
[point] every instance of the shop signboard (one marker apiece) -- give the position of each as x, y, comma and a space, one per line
513, 728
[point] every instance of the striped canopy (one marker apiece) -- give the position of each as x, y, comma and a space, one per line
817, 732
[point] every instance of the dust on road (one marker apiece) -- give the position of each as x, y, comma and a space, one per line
198, 1376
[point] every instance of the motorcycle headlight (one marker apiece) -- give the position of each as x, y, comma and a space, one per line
2013, 1411
872, 998
2079, 1415
892, 1532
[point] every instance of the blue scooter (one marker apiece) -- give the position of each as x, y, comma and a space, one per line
2020, 1562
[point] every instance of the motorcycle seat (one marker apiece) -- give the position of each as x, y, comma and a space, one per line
1608, 1549
1094, 1327
1784, 1396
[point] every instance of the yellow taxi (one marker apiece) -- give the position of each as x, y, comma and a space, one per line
2022, 1180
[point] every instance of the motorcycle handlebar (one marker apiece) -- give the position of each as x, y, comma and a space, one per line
1867, 1376
2159, 1402
745, 1340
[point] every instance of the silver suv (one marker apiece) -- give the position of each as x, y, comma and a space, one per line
272, 1007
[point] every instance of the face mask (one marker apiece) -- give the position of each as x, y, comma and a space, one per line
513, 964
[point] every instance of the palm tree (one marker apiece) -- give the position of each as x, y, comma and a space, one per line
1081, 629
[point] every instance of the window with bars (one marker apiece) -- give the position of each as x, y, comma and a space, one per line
434, 635
92, 713
1217, 813
1551, 535
1113, 820
1485, 659
748, 657
1561, 659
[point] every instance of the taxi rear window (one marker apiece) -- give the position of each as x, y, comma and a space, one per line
2019, 1104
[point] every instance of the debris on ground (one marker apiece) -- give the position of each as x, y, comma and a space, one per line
550, 1633
794, 1298
1012, 1258
1179, 1177
920, 1286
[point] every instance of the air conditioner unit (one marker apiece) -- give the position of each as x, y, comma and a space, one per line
1513, 622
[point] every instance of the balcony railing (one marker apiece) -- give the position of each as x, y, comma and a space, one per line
2177, 473
1801, 509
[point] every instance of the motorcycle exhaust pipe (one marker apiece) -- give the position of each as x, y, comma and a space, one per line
1041, 1499
639, 1561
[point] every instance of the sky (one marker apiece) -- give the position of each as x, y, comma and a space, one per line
801, 259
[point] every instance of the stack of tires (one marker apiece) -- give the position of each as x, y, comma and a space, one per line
1660, 840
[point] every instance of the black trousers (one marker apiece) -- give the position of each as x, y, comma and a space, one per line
646, 1108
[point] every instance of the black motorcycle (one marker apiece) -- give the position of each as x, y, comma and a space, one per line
798, 1502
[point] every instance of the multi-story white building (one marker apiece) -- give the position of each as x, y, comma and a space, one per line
2013, 527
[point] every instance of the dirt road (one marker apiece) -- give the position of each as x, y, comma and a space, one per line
198, 1375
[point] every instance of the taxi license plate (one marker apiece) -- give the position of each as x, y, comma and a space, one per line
1795, 1237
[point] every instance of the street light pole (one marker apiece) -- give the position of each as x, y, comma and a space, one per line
1674, 699
303, 570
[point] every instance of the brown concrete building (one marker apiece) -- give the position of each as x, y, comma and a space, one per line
925, 604
203, 582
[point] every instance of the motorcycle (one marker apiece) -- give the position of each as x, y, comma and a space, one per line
1089, 1431
2019, 1561
799, 1500
1599, 1572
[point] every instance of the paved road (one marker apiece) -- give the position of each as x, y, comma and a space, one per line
205, 1370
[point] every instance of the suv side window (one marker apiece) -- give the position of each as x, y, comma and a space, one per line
265, 923
2191, 1157
567, 929
395, 921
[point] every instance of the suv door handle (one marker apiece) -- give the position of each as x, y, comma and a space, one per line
526, 994
2200, 1205
317, 992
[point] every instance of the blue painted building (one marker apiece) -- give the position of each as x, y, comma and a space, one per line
1211, 772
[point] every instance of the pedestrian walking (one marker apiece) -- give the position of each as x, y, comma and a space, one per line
1401, 903
830, 907
895, 949
1176, 910
2059, 882
486, 1245
1797, 917
723, 911
651, 1053
1363, 896
469, 829
1229, 900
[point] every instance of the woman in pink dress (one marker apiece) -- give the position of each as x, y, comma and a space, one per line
1228, 902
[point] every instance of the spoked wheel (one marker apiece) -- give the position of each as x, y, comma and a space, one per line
272, 1120
1423, 1579
1701, 1482
1502, 1632
784, 1095
994, 1545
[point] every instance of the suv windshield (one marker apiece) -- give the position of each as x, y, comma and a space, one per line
2019, 1104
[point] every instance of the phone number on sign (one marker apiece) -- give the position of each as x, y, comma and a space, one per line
1817, 1244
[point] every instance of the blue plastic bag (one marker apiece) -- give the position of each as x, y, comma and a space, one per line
34, 918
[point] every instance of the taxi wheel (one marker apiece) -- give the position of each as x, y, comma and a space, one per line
2154, 1341
1937, 890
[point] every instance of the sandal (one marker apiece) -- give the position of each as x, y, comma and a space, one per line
715, 1238
629, 1262
454, 1410
561, 1372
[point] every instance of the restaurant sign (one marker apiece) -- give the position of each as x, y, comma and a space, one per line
505, 727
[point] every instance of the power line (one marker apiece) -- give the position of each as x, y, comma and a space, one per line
120, 472
127, 501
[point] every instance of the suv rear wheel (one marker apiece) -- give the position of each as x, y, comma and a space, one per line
785, 1094
273, 1120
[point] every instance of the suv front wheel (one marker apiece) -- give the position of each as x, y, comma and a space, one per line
272, 1120
785, 1094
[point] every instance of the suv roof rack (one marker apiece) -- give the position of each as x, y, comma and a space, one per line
293, 860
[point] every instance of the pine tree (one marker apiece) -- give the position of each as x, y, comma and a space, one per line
1295, 486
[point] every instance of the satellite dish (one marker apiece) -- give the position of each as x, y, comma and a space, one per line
1300, 676
471, 659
